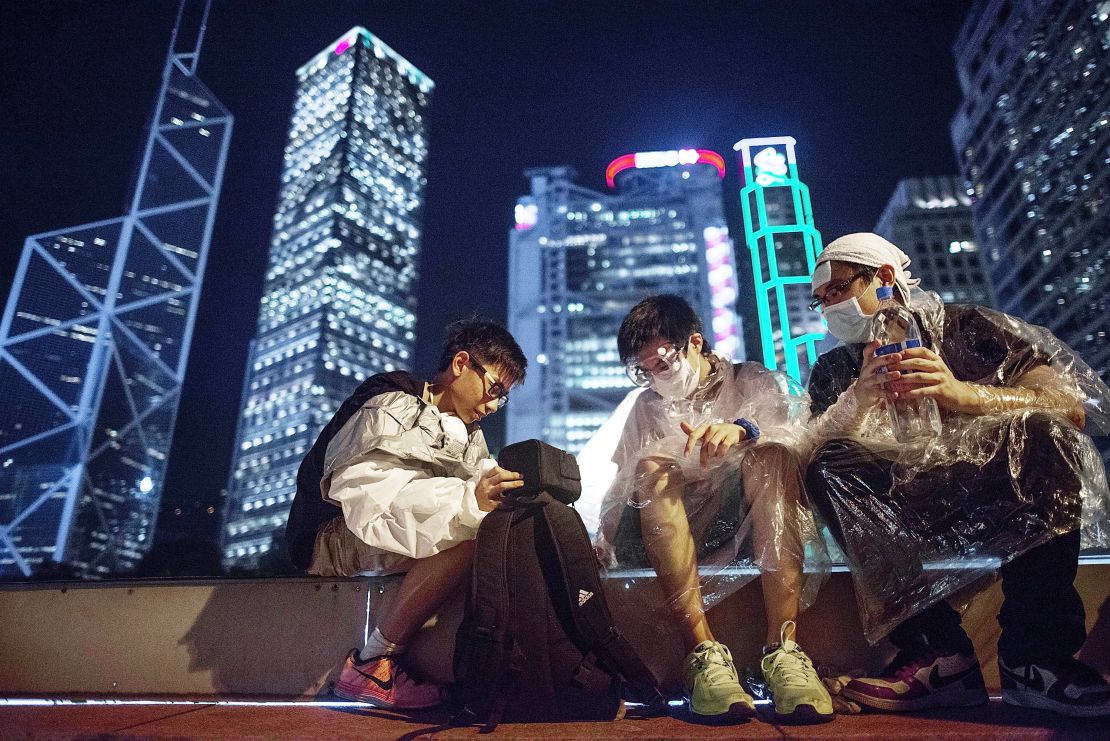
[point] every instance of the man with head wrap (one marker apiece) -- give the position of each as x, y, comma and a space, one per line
1011, 478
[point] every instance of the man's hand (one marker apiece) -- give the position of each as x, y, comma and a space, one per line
870, 384
715, 439
493, 484
923, 374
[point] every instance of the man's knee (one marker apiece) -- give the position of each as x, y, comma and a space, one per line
831, 460
658, 477
772, 455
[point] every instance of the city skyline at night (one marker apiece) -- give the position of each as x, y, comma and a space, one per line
497, 115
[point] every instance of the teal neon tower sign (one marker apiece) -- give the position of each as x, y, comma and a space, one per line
784, 244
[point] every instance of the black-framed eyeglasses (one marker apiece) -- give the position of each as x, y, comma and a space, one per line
836, 290
496, 389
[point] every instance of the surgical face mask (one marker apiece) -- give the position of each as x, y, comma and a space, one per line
847, 321
677, 383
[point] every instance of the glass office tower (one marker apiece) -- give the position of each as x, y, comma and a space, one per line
579, 260
930, 219
339, 297
93, 346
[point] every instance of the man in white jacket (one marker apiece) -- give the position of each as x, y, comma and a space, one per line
405, 462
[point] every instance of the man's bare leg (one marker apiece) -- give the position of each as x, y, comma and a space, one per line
424, 588
772, 486
670, 548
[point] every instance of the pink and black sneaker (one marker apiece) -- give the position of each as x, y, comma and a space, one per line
922, 680
382, 682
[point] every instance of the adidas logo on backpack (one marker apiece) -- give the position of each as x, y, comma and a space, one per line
584, 596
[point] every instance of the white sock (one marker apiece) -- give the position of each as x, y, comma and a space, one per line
379, 645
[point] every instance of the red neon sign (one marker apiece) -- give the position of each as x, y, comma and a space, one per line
671, 158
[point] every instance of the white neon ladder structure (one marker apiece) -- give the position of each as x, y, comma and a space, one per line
94, 342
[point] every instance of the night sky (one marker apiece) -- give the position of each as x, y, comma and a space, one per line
867, 89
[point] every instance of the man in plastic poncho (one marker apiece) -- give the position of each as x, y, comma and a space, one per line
708, 473
1006, 480
399, 480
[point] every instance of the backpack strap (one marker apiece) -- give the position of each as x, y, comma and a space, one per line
484, 676
588, 607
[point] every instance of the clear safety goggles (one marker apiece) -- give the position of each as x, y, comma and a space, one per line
663, 365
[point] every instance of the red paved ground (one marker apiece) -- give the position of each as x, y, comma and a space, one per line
310, 722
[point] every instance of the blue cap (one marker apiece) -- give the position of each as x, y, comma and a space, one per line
884, 292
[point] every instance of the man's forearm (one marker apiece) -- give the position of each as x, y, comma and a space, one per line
1025, 395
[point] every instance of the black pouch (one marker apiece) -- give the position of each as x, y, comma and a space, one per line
545, 469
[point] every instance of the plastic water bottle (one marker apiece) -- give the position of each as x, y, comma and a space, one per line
895, 329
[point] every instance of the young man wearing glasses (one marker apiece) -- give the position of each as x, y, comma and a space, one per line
709, 475
1010, 479
398, 481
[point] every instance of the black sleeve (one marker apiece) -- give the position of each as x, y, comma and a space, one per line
832, 375
982, 345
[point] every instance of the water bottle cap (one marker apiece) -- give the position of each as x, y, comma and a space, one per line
884, 292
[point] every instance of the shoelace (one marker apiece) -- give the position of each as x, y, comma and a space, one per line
715, 664
789, 662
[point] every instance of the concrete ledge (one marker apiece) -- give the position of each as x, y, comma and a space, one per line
282, 638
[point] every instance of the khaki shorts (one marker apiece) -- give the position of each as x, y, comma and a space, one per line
339, 552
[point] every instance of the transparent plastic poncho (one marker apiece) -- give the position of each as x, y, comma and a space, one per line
920, 521
746, 510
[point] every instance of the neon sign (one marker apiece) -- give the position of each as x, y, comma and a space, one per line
784, 244
770, 168
669, 158
722, 290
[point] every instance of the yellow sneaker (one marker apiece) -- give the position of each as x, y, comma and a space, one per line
800, 695
713, 685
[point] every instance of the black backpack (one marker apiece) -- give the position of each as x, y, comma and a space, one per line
537, 642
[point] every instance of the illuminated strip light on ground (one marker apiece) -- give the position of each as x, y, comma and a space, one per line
669, 158
788, 331
722, 290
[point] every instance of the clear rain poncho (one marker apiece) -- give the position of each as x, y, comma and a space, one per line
746, 510
919, 522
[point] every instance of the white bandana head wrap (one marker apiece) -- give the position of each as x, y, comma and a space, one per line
869, 250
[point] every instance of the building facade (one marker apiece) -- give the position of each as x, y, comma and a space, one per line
338, 302
580, 259
930, 219
93, 348
783, 243
1032, 136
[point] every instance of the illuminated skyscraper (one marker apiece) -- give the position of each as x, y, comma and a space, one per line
579, 260
784, 244
94, 342
338, 303
930, 219
1032, 136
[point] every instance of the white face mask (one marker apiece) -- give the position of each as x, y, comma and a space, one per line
847, 321
677, 383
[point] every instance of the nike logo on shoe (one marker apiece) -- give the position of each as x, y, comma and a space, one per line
1034, 680
584, 597
386, 685
937, 681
